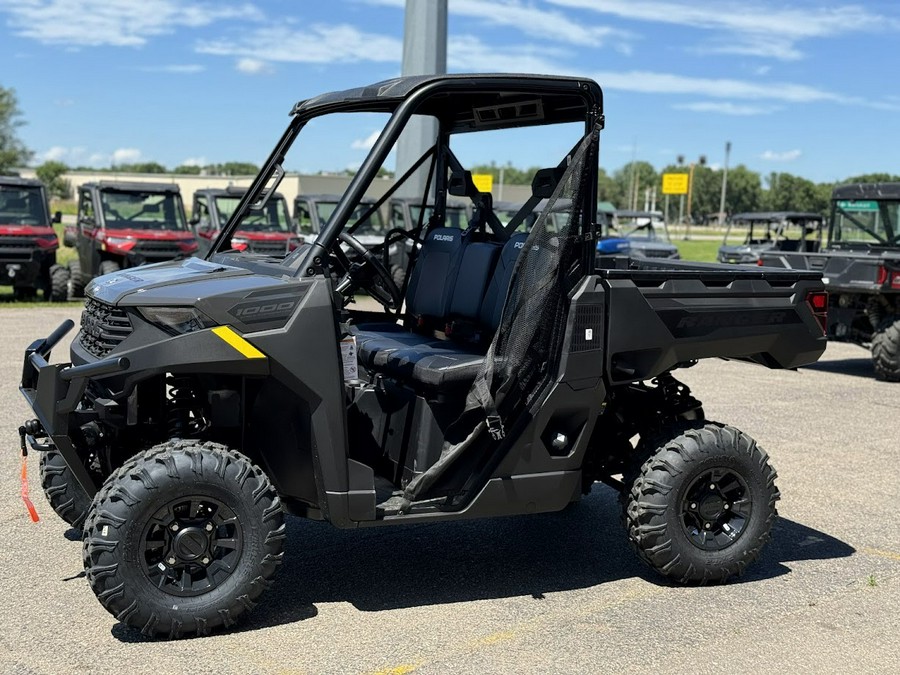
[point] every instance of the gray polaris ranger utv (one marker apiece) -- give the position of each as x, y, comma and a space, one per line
861, 266
205, 398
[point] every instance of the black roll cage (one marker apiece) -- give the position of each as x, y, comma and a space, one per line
309, 261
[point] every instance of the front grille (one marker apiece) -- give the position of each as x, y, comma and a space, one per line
103, 327
157, 249
269, 247
16, 250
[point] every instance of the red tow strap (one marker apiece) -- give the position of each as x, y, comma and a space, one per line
25, 498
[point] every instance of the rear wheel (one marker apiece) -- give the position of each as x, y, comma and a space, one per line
58, 288
886, 351
183, 539
64, 493
703, 504
398, 274
76, 281
108, 267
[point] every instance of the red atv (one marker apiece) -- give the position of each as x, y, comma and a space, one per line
125, 225
28, 243
268, 231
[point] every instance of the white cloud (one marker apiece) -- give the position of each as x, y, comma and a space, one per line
125, 155
90, 23
176, 69
726, 108
534, 21
649, 82
468, 53
253, 67
195, 161
55, 154
786, 156
318, 43
367, 142
764, 29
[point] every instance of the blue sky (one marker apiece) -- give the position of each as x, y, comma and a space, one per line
806, 86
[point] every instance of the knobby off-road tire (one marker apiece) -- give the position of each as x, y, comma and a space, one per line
64, 493
76, 281
702, 507
58, 288
886, 351
108, 267
183, 539
398, 274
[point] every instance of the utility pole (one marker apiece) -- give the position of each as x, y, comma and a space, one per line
424, 53
724, 184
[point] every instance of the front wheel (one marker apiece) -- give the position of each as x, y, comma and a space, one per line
702, 507
183, 539
64, 493
58, 287
886, 351
108, 267
76, 281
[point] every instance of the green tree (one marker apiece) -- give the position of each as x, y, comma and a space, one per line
788, 192
631, 181
13, 152
140, 167
189, 170
51, 174
744, 191
232, 169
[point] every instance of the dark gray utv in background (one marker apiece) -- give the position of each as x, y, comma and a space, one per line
861, 267
206, 398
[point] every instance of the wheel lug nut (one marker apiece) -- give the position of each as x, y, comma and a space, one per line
712, 486
205, 561
693, 505
174, 527
726, 507
707, 525
209, 527
171, 560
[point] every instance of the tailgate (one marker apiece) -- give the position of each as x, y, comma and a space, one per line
658, 318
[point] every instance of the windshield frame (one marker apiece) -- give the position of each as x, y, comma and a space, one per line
178, 206
887, 217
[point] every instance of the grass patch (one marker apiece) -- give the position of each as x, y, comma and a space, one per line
871, 581
698, 250
69, 207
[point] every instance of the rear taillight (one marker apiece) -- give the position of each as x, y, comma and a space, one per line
818, 303
888, 276
759, 262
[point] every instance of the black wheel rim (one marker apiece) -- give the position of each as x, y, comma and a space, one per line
715, 509
191, 545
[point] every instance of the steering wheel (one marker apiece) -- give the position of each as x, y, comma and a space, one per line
360, 274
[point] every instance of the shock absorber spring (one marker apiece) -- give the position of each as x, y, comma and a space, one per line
184, 412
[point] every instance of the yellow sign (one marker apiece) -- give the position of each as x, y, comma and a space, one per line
675, 183
483, 181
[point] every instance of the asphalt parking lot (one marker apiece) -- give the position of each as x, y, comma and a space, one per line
547, 593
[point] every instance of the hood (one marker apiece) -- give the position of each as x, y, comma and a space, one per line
644, 244
150, 235
156, 283
26, 230
613, 245
263, 236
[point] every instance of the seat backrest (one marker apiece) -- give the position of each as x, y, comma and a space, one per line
434, 274
492, 306
475, 270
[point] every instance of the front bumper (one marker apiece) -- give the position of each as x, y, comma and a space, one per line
54, 391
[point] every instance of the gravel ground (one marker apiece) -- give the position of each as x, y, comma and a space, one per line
546, 593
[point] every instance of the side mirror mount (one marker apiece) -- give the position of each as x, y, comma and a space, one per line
57, 217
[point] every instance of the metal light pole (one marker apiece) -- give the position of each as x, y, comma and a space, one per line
724, 184
424, 53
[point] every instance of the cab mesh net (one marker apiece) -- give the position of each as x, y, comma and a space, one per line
521, 360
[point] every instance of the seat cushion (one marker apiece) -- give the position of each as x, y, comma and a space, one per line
437, 363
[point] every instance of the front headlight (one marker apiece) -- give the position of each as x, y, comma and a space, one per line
177, 320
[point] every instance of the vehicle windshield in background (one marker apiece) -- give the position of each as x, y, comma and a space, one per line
22, 206
866, 221
273, 218
374, 224
142, 210
455, 216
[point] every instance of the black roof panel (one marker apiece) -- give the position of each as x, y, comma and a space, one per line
867, 191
